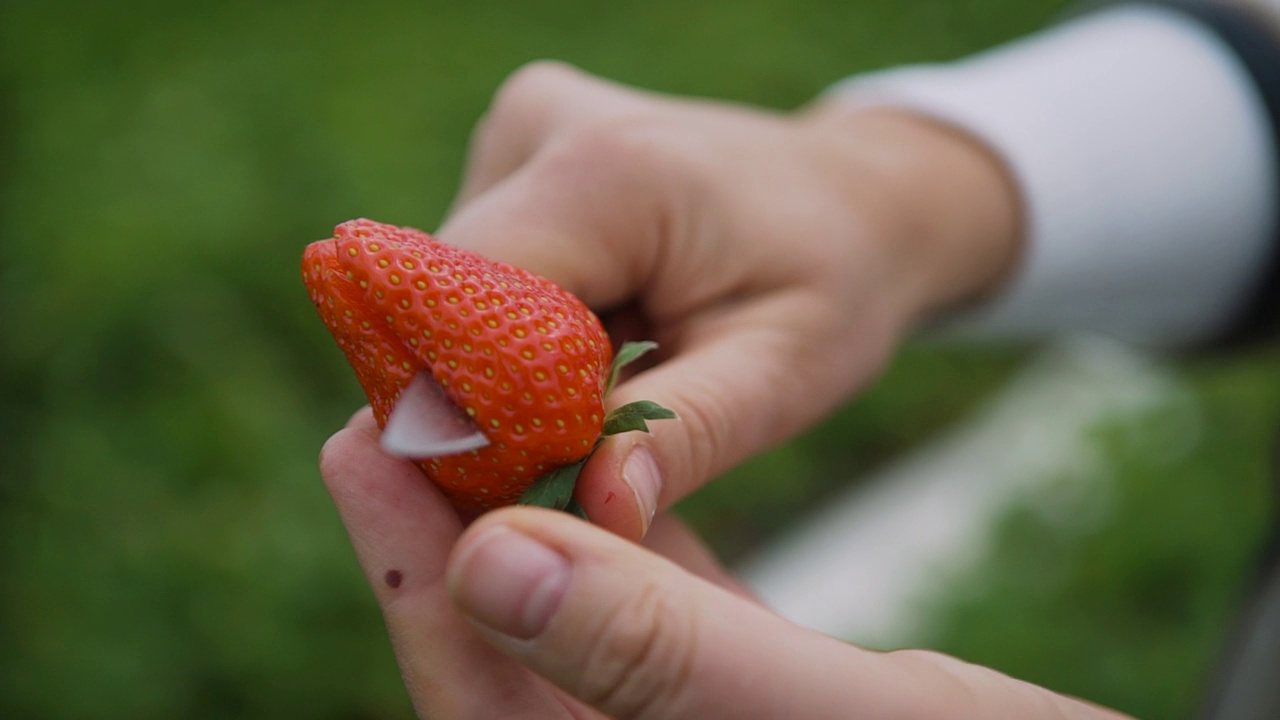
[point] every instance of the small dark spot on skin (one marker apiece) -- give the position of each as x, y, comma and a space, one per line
609, 498
394, 578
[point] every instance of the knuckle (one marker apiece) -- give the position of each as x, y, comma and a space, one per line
332, 455
526, 89
639, 663
949, 677
618, 143
633, 157
709, 425
968, 688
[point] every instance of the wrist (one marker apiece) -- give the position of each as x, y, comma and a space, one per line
937, 199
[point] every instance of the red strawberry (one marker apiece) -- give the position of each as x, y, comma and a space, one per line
524, 358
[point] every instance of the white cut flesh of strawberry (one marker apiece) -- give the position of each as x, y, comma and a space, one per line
425, 423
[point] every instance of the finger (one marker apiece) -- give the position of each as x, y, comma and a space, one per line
402, 530
747, 378
534, 104
591, 215
363, 418
636, 637
672, 539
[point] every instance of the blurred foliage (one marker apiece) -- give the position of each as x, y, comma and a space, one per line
1124, 593
166, 545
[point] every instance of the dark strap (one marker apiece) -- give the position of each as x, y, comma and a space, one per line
1246, 682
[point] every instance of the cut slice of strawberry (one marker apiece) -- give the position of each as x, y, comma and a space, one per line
425, 423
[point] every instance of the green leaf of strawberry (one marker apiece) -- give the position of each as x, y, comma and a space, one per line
555, 489
627, 354
573, 508
632, 416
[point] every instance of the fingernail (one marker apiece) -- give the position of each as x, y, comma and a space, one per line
511, 583
640, 472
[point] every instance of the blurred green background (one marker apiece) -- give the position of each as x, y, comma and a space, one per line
166, 546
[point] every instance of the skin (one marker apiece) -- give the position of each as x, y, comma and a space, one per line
779, 259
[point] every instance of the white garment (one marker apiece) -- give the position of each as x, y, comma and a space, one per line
1145, 161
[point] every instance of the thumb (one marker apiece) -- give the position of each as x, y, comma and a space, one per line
637, 637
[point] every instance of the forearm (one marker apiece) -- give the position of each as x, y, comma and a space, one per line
946, 205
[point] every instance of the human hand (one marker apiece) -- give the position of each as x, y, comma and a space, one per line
532, 613
778, 259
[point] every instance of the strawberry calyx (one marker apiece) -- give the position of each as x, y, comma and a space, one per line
555, 489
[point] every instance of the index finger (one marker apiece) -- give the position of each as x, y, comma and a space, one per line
402, 530
592, 214
537, 102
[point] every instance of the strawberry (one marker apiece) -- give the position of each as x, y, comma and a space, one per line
526, 361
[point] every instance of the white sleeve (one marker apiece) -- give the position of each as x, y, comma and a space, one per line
1146, 166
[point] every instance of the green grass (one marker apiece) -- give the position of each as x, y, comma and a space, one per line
1123, 593
168, 549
